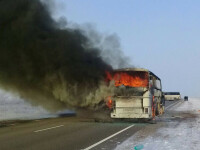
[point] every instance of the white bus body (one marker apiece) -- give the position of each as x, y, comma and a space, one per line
141, 102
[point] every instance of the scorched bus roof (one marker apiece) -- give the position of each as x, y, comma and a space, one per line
137, 69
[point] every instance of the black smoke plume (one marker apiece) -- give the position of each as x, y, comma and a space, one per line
48, 65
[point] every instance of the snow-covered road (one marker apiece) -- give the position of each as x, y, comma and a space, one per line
178, 129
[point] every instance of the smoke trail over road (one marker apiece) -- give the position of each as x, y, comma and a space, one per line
43, 63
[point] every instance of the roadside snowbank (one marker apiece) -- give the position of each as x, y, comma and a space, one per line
179, 130
13, 107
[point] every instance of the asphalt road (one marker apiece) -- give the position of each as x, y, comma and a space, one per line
71, 133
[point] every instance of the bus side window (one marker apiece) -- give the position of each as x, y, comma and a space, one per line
158, 84
154, 82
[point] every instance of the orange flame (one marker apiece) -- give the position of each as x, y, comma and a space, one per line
109, 102
131, 78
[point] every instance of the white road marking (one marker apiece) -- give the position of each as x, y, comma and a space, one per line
173, 104
48, 128
94, 145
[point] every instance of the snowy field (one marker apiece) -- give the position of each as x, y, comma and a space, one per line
178, 129
13, 107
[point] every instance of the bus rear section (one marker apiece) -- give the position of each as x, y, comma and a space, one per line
137, 94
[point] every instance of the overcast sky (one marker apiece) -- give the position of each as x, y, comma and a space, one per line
163, 36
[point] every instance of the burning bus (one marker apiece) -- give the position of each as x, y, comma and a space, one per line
137, 94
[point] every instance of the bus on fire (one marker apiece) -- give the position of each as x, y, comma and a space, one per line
138, 94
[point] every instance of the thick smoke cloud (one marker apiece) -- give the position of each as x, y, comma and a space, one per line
52, 67
109, 44
110, 47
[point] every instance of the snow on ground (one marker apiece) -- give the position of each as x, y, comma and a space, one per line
178, 129
13, 107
